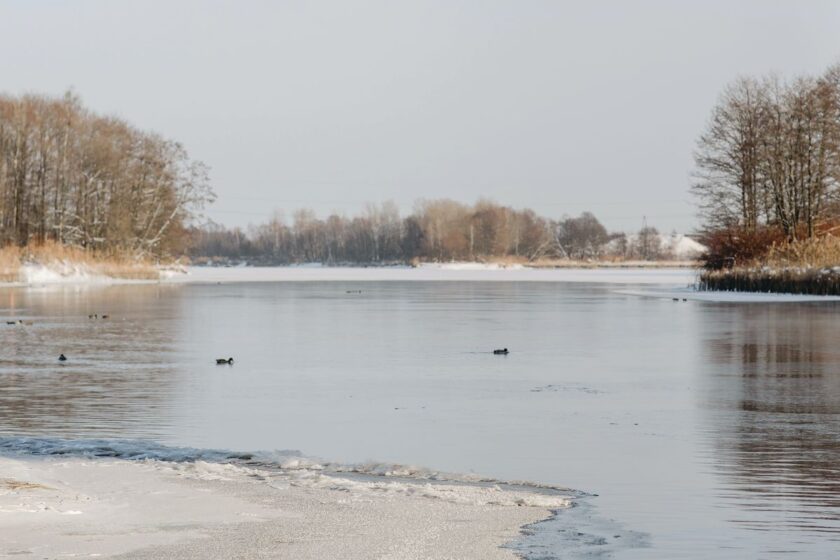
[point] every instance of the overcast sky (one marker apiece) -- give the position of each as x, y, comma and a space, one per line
557, 106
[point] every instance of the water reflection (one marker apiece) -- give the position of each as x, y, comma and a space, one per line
119, 377
773, 401
400, 373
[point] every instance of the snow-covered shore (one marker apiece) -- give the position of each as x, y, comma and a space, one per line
72, 273
435, 272
44, 276
79, 506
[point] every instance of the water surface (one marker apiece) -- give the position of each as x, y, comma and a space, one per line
706, 429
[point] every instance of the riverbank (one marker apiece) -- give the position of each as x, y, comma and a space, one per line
807, 281
53, 507
53, 263
64, 273
489, 263
807, 266
449, 272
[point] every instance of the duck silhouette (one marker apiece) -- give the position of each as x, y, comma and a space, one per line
501, 351
220, 361
62, 358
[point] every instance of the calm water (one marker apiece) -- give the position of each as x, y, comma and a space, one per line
709, 430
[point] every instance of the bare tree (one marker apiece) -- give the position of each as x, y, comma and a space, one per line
771, 155
77, 178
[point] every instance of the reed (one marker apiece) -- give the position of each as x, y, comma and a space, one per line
65, 260
10, 261
810, 266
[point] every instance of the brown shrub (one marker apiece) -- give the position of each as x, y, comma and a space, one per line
734, 246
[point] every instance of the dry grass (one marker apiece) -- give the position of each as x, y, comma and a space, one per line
12, 484
810, 266
66, 259
10, 261
610, 263
823, 252
601, 262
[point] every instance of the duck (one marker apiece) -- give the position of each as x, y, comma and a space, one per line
62, 358
220, 361
502, 351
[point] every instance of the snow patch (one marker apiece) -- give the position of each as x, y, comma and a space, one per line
432, 273
59, 272
681, 246
674, 246
465, 494
284, 469
203, 470
471, 266
728, 297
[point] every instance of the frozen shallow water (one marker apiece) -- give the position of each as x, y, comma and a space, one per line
706, 428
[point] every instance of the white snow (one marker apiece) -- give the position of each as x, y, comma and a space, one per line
674, 276
676, 246
69, 274
471, 266
728, 297
681, 247
75, 506
59, 272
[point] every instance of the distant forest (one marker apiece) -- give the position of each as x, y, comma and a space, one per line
76, 178
437, 230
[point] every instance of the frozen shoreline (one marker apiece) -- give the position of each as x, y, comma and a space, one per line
669, 282
452, 272
37, 276
57, 506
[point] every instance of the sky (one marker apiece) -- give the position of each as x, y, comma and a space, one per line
558, 106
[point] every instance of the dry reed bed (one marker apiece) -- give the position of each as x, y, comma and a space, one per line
801, 267
65, 261
811, 281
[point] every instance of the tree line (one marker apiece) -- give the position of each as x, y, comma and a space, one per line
770, 157
436, 230
77, 178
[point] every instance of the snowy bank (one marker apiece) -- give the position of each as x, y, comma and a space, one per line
66, 272
82, 506
674, 276
688, 294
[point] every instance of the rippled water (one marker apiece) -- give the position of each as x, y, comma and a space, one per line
706, 429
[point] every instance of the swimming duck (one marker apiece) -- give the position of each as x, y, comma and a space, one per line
220, 361
503, 351
62, 358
